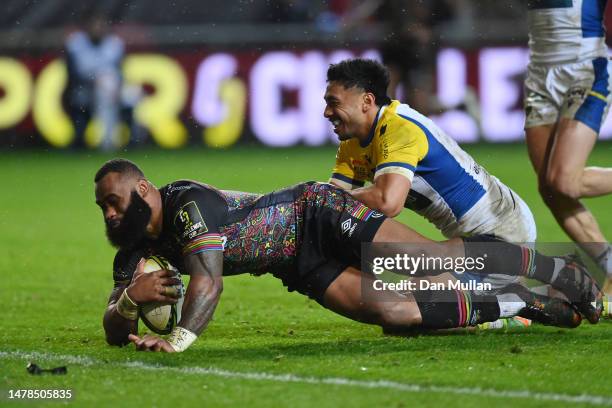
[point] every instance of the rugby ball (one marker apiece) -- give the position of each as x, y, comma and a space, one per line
158, 317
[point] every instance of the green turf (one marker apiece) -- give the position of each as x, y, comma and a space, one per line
56, 269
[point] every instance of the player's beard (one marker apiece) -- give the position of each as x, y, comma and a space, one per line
133, 226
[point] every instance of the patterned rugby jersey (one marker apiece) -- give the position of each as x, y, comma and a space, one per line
255, 232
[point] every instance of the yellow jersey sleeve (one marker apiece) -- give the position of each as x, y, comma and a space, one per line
401, 146
343, 173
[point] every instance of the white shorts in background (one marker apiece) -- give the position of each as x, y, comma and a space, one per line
579, 91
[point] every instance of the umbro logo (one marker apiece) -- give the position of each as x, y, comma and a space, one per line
346, 225
383, 129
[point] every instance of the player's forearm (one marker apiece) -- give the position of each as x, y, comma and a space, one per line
201, 300
117, 327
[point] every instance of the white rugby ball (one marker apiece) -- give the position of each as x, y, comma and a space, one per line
158, 317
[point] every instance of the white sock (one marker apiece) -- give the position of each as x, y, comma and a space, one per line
498, 324
509, 304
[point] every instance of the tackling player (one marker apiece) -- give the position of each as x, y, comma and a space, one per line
567, 97
412, 163
299, 235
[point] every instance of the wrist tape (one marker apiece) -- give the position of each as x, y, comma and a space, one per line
126, 307
181, 338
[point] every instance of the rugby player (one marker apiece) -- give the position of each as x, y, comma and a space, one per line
567, 97
411, 163
299, 235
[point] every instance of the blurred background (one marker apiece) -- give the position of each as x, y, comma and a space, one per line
116, 74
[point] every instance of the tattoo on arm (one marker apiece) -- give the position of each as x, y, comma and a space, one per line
205, 287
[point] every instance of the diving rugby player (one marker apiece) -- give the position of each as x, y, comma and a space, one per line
299, 235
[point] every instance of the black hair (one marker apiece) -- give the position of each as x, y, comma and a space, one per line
367, 74
121, 166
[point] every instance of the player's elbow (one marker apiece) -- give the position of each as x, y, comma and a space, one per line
391, 209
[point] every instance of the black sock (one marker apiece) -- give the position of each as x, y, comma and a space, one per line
508, 259
445, 309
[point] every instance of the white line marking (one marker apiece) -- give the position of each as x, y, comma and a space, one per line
292, 378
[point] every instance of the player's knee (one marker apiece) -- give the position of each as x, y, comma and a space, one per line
564, 183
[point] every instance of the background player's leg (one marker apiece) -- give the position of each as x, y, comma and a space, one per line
559, 162
566, 172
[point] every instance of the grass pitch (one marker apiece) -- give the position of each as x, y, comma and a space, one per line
265, 347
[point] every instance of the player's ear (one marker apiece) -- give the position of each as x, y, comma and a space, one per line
143, 187
368, 101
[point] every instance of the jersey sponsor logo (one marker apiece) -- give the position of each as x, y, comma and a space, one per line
189, 221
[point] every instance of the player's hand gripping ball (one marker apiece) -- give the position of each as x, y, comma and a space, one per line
158, 317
